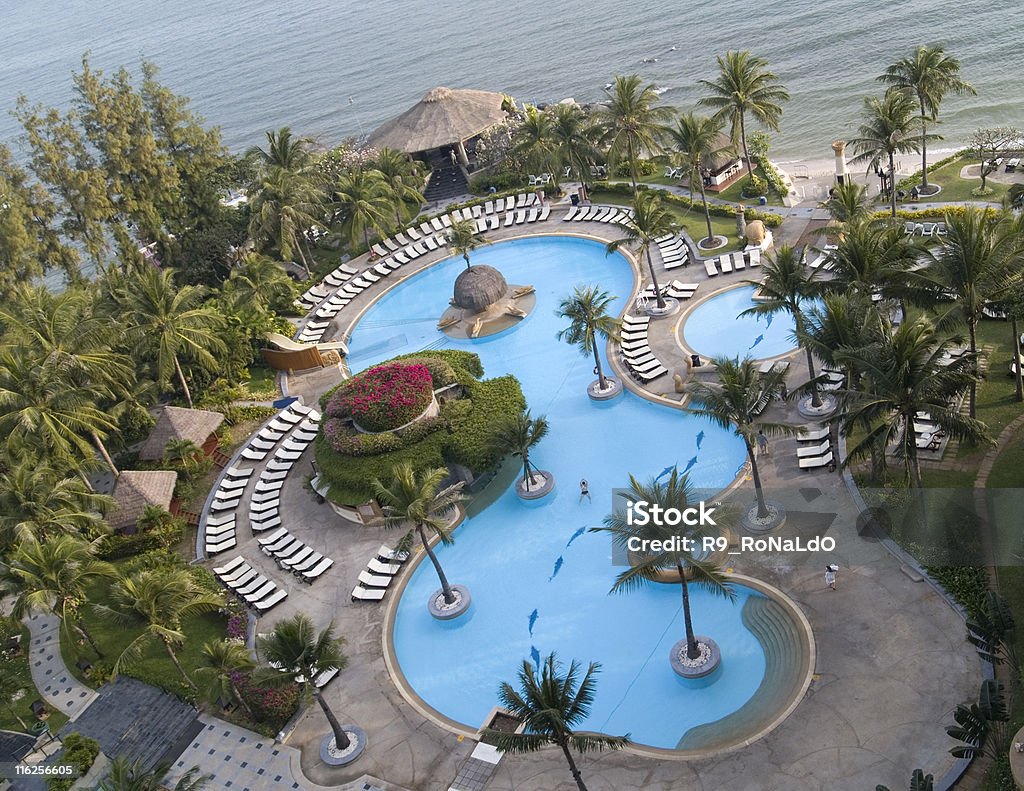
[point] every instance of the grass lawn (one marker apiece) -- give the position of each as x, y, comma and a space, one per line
154, 666
955, 188
1008, 471
17, 667
261, 379
997, 404
692, 221
732, 194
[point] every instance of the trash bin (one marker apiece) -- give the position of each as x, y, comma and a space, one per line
695, 360
763, 200
574, 199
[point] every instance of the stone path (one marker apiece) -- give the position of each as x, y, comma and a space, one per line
51, 676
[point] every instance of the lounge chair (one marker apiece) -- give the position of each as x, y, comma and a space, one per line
388, 555
814, 435
480, 224
816, 462
368, 580
370, 276
379, 250
499, 206
313, 573
278, 465
221, 545
814, 450
737, 261
287, 455
217, 531
638, 321
260, 497
494, 223
238, 473
446, 221
413, 234
225, 505
273, 538
382, 269
283, 540
571, 214
239, 572
269, 524
709, 267
634, 345
230, 485
256, 507
391, 244
725, 264
545, 212
242, 580
251, 586
402, 239
253, 455
521, 199
436, 224
533, 215
652, 374
260, 593
359, 593
273, 599
383, 568
297, 558
489, 207
520, 216
230, 567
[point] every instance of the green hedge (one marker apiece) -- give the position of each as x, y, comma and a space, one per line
968, 585
471, 443
243, 414
937, 213
79, 751
481, 183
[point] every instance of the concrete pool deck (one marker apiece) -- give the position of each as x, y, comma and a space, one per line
891, 663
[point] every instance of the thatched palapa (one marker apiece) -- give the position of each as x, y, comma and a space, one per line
444, 117
196, 425
134, 490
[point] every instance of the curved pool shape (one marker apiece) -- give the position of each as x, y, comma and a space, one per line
715, 328
539, 581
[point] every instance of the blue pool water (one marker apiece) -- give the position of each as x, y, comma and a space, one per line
539, 583
716, 328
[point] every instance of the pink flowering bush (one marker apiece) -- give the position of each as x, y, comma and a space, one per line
382, 398
272, 705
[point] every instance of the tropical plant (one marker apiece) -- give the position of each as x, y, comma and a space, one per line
587, 312
992, 630
870, 260
283, 209
843, 320
689, 566
735, 401
157, 600
169, 324
517, 436
220, 662
929, 74
888, 129
13, 688
649, 220
848, 205
363, 204
696, 140
789, 287
181, 451
631, 122
1013, 304
128, 775
550, 708
55, 577
283, 152
154, 517
462, 239
296, 653
983, 727
745, 85
402, 179
534, 142
416, 503
574, 138
259, 285
919, 781
975, 264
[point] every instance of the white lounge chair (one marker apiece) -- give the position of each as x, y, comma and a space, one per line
230, 567
259, 527
253, 455
225, 505
273, 537
709, 267
273, 599
814, 450
383, 568
816, 462
386, 555
313, 573
359, 593
368, 580
725, 264
814, 435
238, 473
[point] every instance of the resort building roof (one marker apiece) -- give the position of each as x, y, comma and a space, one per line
135, 489
444, 117
178, 423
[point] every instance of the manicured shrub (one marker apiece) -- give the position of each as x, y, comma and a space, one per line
272, 705
79, 751
384, 397
113, 547
754, 187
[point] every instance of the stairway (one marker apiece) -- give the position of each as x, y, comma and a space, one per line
446, 182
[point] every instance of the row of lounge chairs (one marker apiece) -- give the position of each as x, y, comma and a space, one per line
676, 289
637, 356
928, 434
219, 534
265, 501
815, 449
606, 214
249, 585
731, 262
295, 415
924, 228
376, 578
674, 251
316, 294
295, 556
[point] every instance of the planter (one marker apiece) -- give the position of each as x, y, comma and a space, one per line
670, 309
805, 407
331, 756
705, 665
542, 483
597, 394
754, 524
446, 612
716, 242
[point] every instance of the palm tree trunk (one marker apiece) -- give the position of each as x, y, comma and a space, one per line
924, 148
600, 369
1019, 375
972, 331
104, 453
654, 278
177, 664
14, 714
815, 397
184, 384
449, 597
580, 786
80, 625
762, 506
632, 162
692, 650
526, 471
892, 184
707, 211
743, 140
302, 256
341, 740
238, 696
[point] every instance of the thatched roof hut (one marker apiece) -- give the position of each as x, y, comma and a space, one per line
196, 425
135, 489
479, 287
444, 117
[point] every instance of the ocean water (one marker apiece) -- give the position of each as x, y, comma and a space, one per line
332, 68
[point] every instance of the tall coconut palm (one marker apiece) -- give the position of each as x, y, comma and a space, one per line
171, 324
977, 262
844, 319
587, 312
285, 206
907, 370
696, 140
517, 436
872, 260
158, 600
362, 204
415, 502
55, 577
631, 122
534, 142
259, 284
462, 239
689, 567
283, 152
787, 286
745, 85
550, 708
37, 503
128, 775
648, 221
219, 662
888, 129
848, 204
929, 74
296, 652
574, 138
402, 180
735, 401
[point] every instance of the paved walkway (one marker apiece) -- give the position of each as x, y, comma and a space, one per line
55, 683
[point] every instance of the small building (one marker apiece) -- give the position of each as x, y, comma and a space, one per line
136, 489
725, 168
176, 423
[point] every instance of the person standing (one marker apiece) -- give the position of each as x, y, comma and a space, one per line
762, 443
830, 575
585, 490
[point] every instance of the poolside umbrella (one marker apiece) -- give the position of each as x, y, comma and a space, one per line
444, 117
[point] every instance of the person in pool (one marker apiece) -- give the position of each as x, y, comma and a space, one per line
585, 490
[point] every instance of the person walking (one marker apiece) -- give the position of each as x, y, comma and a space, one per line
830, 575
585, 490
762, 443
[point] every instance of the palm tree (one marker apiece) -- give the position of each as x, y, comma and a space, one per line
844, 319
735, 402
219, 662
55, 577
649, 221
975, 264
787, 286
37, 502
125, 775
573, 136
284, 208
631, 123
744, 84
259, 284
415, 502
1013, 304
873, 260
689, 566
696, 141
550, 708
534, 142
296, 653
848, 204
13, 688
462, 239
403, 181
919, 781
283, 152
362, 203
587, 312
158, 600
888, 130
905, 371
171, 323
517, 436
929, 74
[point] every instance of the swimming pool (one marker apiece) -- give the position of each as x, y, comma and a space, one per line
540, 582
716, 329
